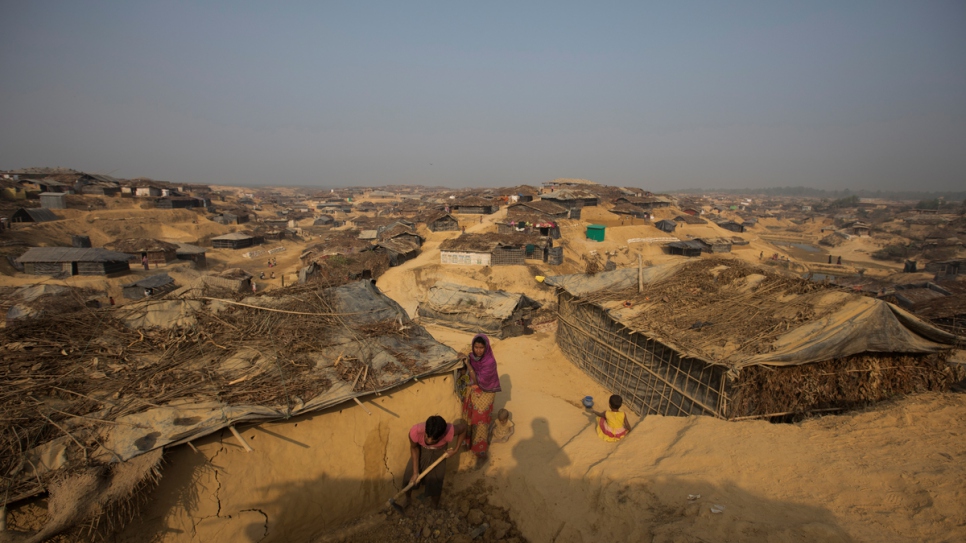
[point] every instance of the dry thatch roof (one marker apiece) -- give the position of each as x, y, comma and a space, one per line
88, 395
690, 219
71, 254
725, 311
538, 206
485, 243
141, 245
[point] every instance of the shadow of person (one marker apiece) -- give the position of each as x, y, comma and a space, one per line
503, 397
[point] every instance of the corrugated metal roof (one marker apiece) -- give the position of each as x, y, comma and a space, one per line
71, 254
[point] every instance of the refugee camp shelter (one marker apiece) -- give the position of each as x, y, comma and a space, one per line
232, 279
490, 249
495, 313
690, 219
234, 240
533, 224
198, 370
548, 208
732, 226
73, 261
53, 200
474, 205
158, 253
442, 222
179, 202
630, 210
572, 198
196, 254
666, 225
644, 202
33, 214
715, 245
685, 248
723, 338
154, 285
399, 249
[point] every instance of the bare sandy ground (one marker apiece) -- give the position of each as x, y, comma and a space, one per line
895, 472
892, 473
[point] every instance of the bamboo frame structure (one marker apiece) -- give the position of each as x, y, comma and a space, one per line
654, 379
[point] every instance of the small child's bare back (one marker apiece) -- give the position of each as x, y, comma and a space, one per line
502, 428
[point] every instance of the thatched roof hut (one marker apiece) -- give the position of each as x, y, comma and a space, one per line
168, 372
73, 261
722, 338
157, 252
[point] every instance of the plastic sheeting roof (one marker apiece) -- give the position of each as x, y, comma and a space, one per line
186, 419
446, 297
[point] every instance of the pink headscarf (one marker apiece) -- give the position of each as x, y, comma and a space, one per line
485, 367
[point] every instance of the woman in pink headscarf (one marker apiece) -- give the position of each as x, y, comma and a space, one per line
484, 383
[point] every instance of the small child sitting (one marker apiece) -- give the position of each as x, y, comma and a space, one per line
612, 425
502, 427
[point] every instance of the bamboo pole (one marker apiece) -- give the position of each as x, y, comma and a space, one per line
362, 406
640, 273
240, 439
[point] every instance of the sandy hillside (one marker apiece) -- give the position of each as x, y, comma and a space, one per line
893, 473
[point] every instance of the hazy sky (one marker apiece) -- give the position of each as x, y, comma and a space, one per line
656, 95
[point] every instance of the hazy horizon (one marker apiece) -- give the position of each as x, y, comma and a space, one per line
830, 95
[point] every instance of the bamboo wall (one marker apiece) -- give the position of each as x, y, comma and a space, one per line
650, 377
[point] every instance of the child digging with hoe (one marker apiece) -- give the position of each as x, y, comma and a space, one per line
427, 442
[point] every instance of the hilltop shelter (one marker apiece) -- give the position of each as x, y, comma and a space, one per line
475, 205
158, 253
715, 245
33, 214
491, 249
234, 240
750, 344
685, 248
442, 222
156, 285
196, 254
53, 200
572, 198
72, 261
495, 313
232, 279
